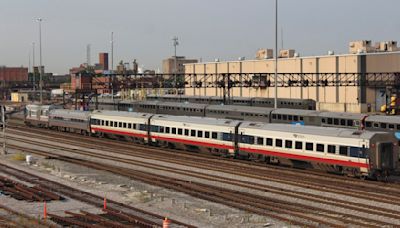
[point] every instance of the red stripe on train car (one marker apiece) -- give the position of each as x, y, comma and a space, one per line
119, 132
185, 141
307, 158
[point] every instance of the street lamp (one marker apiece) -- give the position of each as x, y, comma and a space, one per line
276, 55
176, 43
40, 60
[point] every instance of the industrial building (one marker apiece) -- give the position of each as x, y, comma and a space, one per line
13, 74
168, 65
361, 81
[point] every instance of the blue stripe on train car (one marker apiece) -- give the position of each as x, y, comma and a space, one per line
297, 123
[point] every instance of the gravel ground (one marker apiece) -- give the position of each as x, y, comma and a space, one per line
181, 206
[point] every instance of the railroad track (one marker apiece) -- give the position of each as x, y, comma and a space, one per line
115, 210
300, 211
382, 192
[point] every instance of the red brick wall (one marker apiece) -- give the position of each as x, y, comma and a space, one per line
13, 74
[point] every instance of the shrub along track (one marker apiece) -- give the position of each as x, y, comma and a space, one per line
255, 203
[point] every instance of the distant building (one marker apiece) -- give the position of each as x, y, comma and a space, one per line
169, 64
13, 74
103, 60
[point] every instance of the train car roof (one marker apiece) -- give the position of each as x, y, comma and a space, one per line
384, 119
343, 115
198, 120
311, 130
152, 102
121, 114
183, 104
240, 108
298, 112
69, 112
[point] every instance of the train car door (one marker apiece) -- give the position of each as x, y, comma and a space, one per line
385, 155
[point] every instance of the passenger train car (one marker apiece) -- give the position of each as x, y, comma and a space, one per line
346, 151
38, 115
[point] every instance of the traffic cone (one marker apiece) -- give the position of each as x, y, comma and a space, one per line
105, 203
166, 222
45, 210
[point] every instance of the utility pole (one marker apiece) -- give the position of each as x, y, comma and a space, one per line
40, 60
3, 120
33, 71
112, 65
276, 55
175, 39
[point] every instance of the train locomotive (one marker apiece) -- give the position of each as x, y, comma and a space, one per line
351, 152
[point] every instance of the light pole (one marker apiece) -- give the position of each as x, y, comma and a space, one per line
276, 55
112, 65
40, 61
176, 43
33, 69
3, 120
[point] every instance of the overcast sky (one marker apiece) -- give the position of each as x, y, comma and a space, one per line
207, 29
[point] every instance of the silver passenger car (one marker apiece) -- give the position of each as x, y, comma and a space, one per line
70, 120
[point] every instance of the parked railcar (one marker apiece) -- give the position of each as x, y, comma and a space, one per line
70, 121
351, 152
194, 133
129, 125
384, 123
38, 115
238, 112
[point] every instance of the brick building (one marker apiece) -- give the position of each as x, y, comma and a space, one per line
13, 74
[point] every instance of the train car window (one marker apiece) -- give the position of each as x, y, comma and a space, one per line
269, 142
383, 125
102, 122
207, 134
107, 123
260, 141
368, 124
279, 117
278, 142
193, 133
298, 145
323, 120
111, 123
357, 123
320, 147
214, 135
343, 122
142, 127
376, 125
336, 121
391, 126
120, 124
241, 113
301, 118
331, 149
288, 144
274, 116
180, 132
284, 117
161, 129
398, 126
124, 125
154, 128
310, 146
167, 130
134, 126
343, 150
295, 118
187, 132
129, 125
228, 136
200, 134
330, 121
350, 123
290, 117
174, 130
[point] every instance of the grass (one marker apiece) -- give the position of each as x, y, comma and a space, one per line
18, 157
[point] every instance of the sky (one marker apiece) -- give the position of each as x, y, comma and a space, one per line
206, 29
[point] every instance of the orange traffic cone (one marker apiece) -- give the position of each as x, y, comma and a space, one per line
45, 210
105, 203
166, 222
